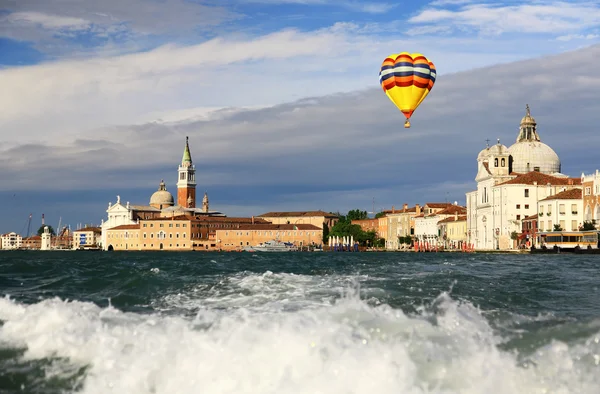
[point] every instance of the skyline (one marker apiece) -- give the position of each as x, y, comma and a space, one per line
106, 117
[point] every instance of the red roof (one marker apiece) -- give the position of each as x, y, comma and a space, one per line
571, 194
541, 179
127, 227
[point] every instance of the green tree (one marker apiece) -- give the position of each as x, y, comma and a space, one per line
589, 225
41, 230
325, 233
356, 214
514, 235
379, 214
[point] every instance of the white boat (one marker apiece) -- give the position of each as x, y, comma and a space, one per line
272, 246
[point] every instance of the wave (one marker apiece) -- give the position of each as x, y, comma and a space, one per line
241, 340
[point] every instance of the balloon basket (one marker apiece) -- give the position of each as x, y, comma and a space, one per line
407, 124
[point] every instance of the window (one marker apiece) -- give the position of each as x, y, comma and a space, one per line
562, 224
574, 209
503, 162
536, 169
526, 206
541, 209
496, 162
526, 192
518, 206
541, 227
587, 191
518, 217
561, 209
573, 225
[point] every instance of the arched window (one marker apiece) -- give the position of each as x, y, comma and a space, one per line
503, 162
496, 162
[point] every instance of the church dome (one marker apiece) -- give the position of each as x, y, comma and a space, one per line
498, 149
534, 156
529, 153
161, 197
484, 154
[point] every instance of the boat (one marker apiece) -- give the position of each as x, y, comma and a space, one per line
272, 246
580, 242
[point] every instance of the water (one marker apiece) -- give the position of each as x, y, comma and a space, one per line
298, 323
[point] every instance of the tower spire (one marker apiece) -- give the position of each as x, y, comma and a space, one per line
186, 184
186, 160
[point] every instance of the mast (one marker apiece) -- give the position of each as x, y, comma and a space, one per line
29, 225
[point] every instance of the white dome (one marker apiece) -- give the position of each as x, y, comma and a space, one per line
483, 154
497, 149
527, 155
161, 196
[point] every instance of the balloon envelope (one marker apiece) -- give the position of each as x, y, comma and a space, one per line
407, 78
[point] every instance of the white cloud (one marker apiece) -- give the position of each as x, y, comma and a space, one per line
331, 152
553, 17
47, 21
356, 5
344, 140
570, 37
61, 101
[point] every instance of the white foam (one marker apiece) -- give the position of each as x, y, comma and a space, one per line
344, 347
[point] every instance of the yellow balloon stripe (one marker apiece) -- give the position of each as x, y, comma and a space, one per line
407, 79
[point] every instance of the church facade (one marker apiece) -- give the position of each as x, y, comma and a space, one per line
510, 183
162, 203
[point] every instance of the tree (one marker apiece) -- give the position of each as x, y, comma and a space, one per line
514, 235
557, 227
589, 225
41, 230
325, 233
356, 214
379, 214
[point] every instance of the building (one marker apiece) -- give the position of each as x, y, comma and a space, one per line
529, 231
11, 241
510, 182
254, 234
32, 242
87, 238
591, 197
46, 239
564, 209
367, 224
316, 218
161, 203
453, 231
426, 225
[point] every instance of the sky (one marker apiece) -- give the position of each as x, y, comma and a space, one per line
280, 99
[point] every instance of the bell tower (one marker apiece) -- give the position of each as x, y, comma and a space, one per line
186, 183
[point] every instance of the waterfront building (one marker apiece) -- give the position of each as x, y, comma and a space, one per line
453, 231
564, 209
32, 242
11, 241
591, 197
426, 224
316, 218
253, 234
161, 203
510, 182
46, 239
529, 231
400, 223
87, 237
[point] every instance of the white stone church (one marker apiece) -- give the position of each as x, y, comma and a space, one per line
510, 182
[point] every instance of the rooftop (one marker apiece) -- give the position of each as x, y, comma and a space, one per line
571, 194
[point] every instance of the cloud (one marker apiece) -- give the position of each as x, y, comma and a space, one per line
338, 143
360, 6
552, 17
68, 27
570, 37
61, 101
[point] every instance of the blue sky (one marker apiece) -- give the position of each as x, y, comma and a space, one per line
280, 99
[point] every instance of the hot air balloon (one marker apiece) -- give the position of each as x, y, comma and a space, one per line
407, 78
